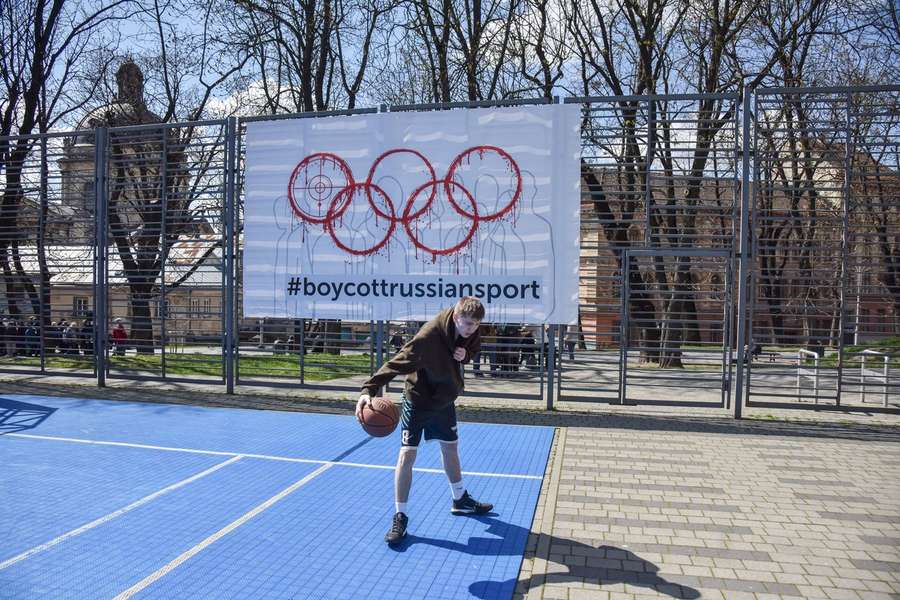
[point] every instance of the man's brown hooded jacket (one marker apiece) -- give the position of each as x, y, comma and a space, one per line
433, 376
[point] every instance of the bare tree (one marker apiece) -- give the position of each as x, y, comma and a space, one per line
166, 182
539, 45
361, 33
455, 50
43, 73
630, 48
292, 47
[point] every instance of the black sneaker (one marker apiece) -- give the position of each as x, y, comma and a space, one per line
398, 529
467, 505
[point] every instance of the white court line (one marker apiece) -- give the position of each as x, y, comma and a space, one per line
219, 534
114, 514
262, 456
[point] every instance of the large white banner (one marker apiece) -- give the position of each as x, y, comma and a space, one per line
394, 216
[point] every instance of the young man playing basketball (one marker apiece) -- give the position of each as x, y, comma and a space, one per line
432, 362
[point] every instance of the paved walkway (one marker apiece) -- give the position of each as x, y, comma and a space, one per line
677, 503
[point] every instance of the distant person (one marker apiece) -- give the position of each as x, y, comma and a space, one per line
86, 336
54, 332
571, 339
32, 339
4, 337
396, 341
119, 338
483, 332
70, 337
527, 346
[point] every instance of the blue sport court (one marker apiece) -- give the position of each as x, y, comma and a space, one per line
106, 499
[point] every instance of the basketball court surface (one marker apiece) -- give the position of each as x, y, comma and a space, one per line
105, 499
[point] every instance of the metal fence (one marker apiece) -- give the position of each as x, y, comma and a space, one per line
825, 247
725, 240
657, 250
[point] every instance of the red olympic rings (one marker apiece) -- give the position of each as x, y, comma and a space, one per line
325, 180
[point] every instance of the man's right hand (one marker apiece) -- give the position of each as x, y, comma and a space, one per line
363, 400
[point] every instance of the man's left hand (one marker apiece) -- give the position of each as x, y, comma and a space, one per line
459, 354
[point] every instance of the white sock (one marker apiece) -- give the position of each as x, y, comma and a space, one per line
401, 506
458, 489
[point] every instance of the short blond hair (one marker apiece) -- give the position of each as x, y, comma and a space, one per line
469, 306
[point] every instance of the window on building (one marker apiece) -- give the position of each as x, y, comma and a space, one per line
80, 306
201, 306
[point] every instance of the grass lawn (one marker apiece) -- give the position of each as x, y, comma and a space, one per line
853, 359
319, 367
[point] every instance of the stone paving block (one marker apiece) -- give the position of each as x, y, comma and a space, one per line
812, 592
552, 593
755, 575
840, 594
792, 578
820, 570
819, 580
588, 595
878, 586
877, 565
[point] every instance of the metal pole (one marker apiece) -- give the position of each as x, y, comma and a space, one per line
42, 258
624, 326
727, 336
648, 160
235, 246
541, 358
379, 343
845, 246
858, 297
862, 378
164, 201
302, 350
551, 361
101, 137
228, 250
743, 255
559, 372
816, 379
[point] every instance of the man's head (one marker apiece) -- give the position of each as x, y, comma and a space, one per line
467, 315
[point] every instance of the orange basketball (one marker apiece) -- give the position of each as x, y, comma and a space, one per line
380, 417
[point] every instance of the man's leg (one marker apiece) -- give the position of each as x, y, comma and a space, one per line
450, 459
402, 483
403, 476
463, 503
411, 423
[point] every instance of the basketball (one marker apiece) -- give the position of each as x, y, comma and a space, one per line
379, 417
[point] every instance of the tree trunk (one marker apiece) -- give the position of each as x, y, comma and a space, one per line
141, 319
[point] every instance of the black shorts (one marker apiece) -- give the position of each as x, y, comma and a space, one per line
437, 424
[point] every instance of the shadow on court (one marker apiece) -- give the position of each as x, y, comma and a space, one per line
20, 416
619, 565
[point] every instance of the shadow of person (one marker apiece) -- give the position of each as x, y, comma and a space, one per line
20, 416
602, 564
